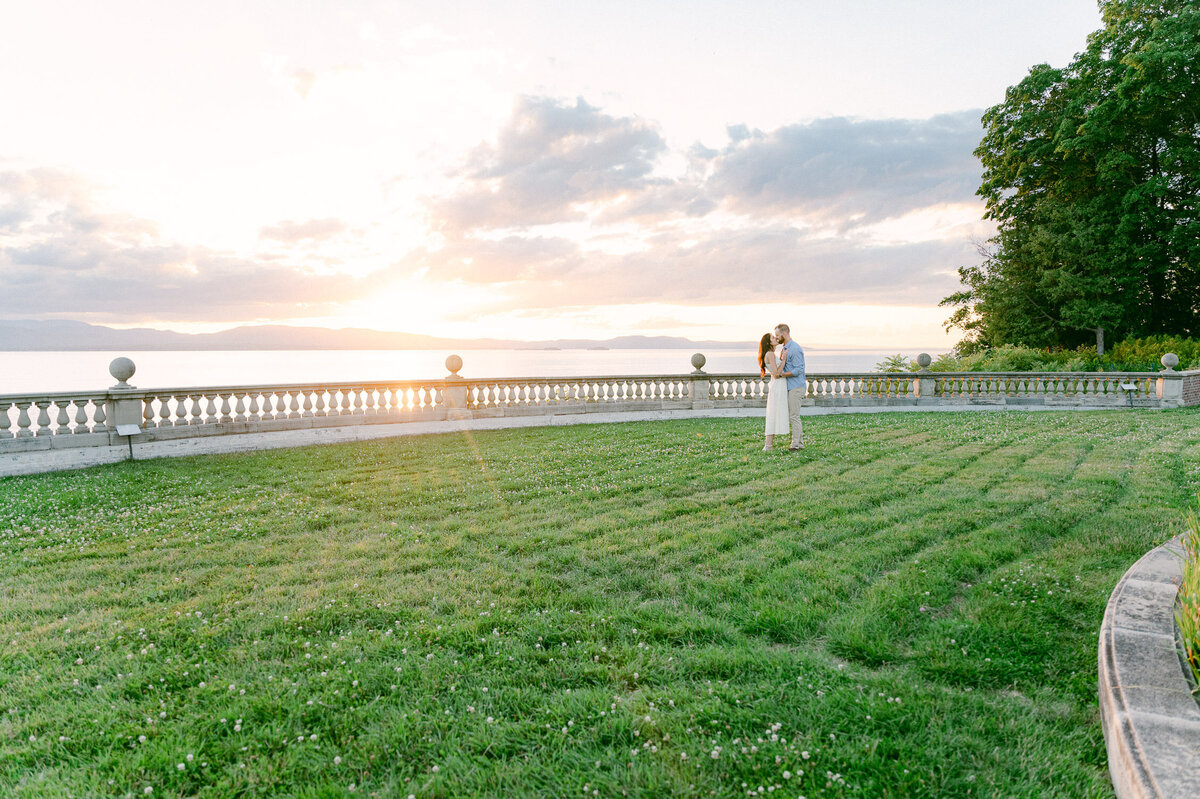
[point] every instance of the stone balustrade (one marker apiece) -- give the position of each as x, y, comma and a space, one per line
70, 420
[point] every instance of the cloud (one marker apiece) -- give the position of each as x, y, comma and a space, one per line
569, 207
849, 172
312, 230
548, 161
770, 264
556, 163
59, 256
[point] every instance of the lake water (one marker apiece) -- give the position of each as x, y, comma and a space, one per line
36, 372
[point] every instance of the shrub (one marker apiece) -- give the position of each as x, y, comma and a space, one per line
1131, 355
895, 363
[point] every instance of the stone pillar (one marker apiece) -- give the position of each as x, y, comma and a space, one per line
1170, 382
454, 392
121, 410
698, 389
924, 382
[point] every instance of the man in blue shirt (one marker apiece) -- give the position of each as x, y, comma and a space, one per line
797, 384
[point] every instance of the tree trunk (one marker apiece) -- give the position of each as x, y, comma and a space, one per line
1100, 341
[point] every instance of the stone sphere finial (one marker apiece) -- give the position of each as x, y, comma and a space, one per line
923, 361
1170, 361
698, 361
454, 363
122, 369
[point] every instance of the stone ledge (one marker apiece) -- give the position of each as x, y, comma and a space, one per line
1151, 721
168, 442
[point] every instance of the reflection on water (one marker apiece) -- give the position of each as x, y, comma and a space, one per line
28, 372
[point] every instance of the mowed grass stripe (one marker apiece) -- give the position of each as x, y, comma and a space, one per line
304, 621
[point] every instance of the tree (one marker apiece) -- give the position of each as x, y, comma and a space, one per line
1092, 175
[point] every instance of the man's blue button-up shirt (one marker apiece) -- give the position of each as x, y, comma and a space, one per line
794, 362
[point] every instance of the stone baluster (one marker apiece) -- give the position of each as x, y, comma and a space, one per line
254, 409
164, 411
226, 408
6, 420
43, 419
210, 408
180, 409
195, 413
239, 406
63, 422
99, 418
148, 413
81, 420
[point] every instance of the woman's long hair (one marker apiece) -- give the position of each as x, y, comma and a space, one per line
764, 346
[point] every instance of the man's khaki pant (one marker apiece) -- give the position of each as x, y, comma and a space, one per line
795, 397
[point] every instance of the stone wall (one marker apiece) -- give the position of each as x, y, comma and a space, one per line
1191, 388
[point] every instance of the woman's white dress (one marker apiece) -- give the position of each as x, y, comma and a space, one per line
777, 407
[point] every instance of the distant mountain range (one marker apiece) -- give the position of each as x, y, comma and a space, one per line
28, 335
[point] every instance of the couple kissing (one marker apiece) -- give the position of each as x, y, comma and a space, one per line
781, 357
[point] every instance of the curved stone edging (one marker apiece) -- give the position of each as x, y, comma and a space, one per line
1151, 722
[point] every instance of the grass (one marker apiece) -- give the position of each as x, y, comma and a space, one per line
909, 607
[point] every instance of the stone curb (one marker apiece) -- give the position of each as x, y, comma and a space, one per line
1151, 722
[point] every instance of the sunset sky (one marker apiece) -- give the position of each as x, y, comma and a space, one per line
506, 169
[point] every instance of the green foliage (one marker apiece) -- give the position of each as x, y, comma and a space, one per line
1187, 612
1131, 355
535, 612
895, 363
1092, 175
1150, 350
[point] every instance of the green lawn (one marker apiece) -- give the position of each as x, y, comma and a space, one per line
909, 607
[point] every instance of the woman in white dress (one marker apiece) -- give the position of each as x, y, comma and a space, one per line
777, 401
